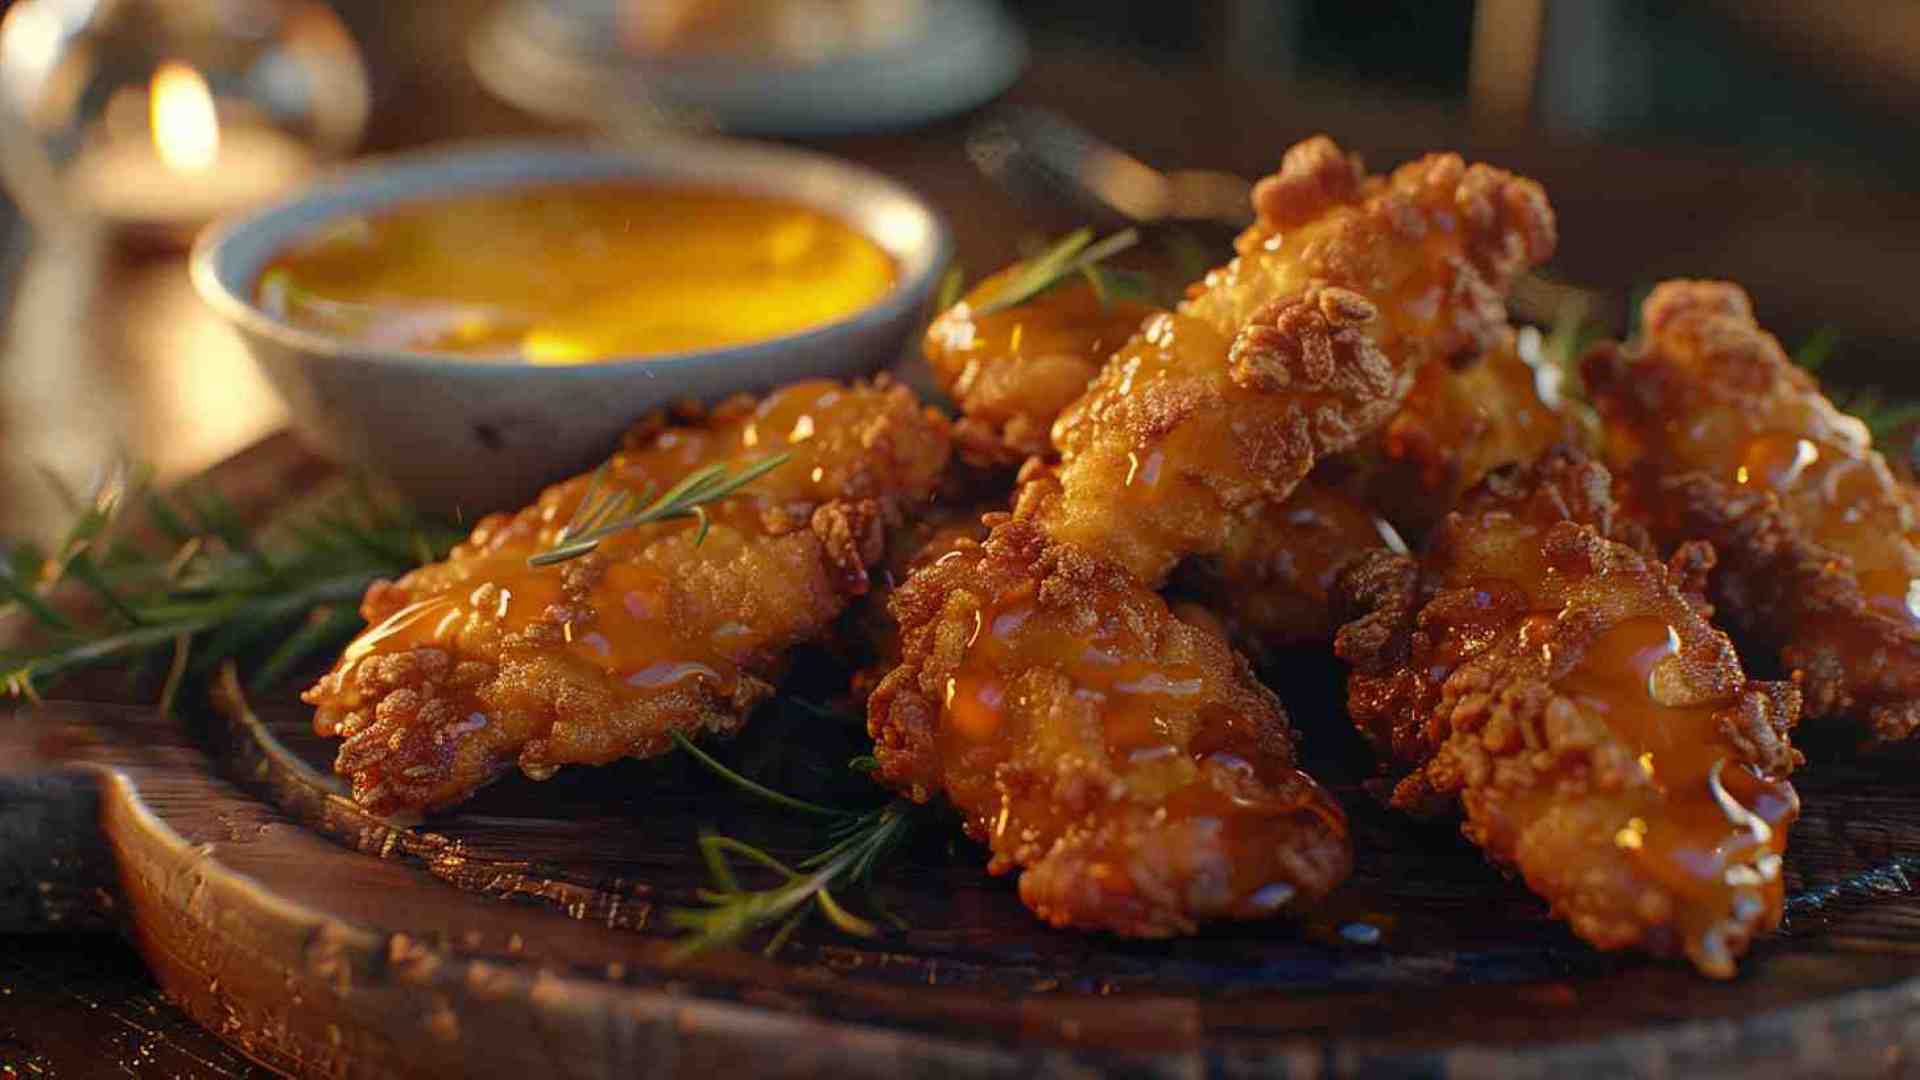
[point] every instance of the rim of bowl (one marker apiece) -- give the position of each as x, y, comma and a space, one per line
232, 252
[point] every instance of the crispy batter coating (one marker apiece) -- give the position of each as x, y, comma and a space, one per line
1459, 422
481, 662
1270, 584
1721, 437
869, 638
1126, 761
1538, 666
1011, 371
1303, 344
1271, 580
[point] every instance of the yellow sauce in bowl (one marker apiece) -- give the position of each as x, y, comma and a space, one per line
576, 273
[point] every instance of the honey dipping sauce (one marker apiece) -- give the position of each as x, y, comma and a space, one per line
574, 273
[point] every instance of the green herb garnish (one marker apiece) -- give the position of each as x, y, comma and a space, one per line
1884, 418
1073, 254
1110, 284
1814, 352
601, 515
953, 285
144, 579
857, 842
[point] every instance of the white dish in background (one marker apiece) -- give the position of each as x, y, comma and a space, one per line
458, 433
564, 58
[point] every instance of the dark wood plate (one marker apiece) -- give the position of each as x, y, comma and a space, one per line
527, 933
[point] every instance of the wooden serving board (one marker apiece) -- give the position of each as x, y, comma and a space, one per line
526, 934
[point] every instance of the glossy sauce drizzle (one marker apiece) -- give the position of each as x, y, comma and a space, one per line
1846, 505
625, 624
1069, 321
1153, 723
1712, 830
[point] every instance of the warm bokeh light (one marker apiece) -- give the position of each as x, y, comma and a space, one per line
186, 127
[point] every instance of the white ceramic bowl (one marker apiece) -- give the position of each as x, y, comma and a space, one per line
477, 435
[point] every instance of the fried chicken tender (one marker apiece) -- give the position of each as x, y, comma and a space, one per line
1540, 669
1271, 582
870, 638
1459, 423
1720, 437
1011, 371
1271, 579
1126, 761
481, 662
1302, 345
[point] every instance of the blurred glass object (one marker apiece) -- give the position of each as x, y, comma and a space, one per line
157, 116
780, 67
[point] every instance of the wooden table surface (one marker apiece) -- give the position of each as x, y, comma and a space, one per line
112, 355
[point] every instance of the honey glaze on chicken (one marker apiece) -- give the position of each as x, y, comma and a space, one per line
1841, 496
1126, 761
1271, 584
1720, 436
484, 661
1539, 667
1012, 369
1301, 346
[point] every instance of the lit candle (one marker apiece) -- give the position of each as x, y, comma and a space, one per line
190, 167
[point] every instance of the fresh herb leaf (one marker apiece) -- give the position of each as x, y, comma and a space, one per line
1066, 258
203, 589
601, 515
953, 285
753, 787
1814, 352
1884, 418
858, 845
858, 841
1111, 285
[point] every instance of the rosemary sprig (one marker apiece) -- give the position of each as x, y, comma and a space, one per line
1884, 418
603, 514
1814, 352
1075, 253
180, 580
858, 841
953, 286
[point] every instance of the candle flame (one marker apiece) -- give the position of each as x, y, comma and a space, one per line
186, 129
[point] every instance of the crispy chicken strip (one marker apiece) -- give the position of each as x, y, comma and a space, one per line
1459, 423
1014, 370
1127, 762
1303, 344
1720, 437
481, 662
1011, 371
1271, 582
1538, 667
1271, 579
870, 638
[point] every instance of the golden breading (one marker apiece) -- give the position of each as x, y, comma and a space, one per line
1270, 584
1011, 371
1563, 688
1302, 345
868, 638
1459, 423
480, 663
1720, 437
1127, 762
